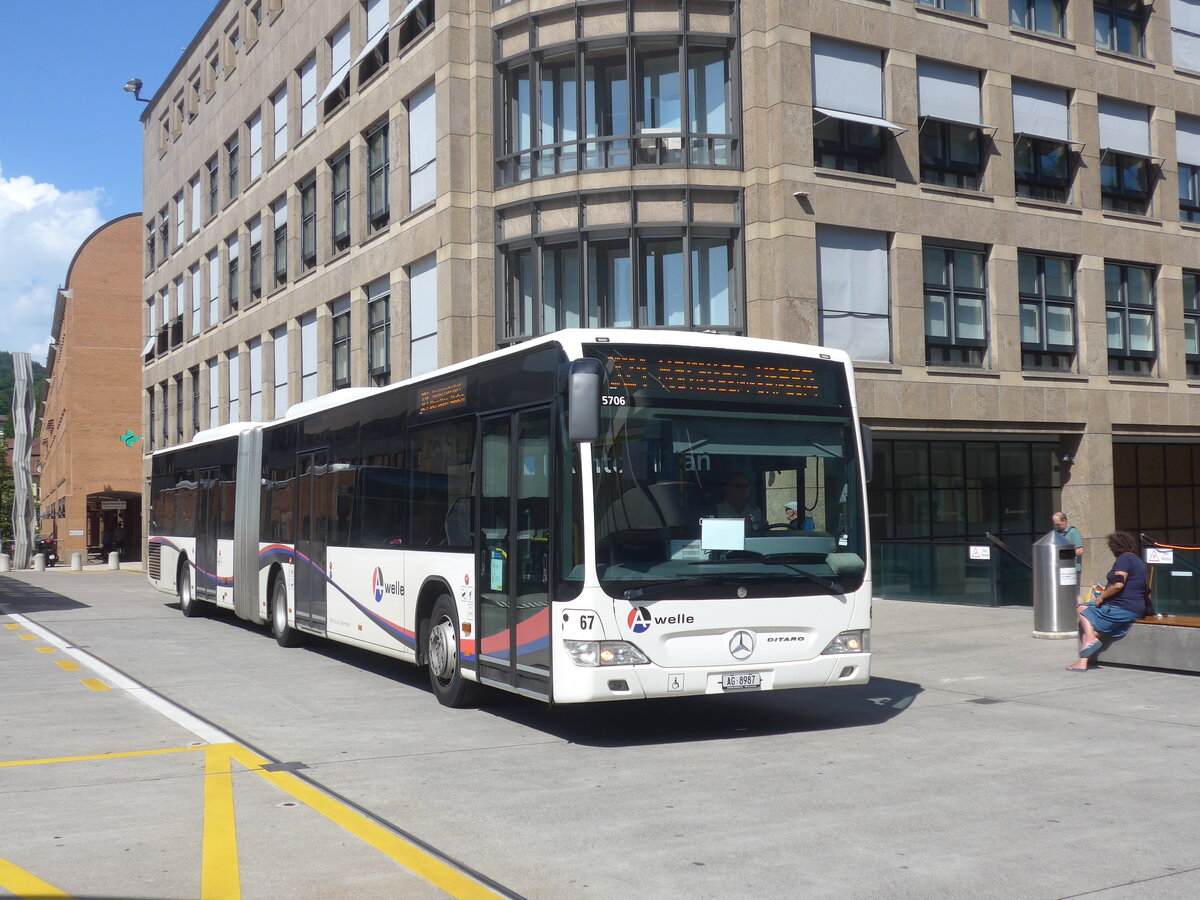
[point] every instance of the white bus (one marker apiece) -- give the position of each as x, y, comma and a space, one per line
593, 515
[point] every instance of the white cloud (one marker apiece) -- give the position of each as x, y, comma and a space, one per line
41, 227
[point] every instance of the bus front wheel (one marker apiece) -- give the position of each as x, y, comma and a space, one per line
441, 651
188, 604
285, 634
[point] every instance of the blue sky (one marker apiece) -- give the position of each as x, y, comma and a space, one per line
70, 138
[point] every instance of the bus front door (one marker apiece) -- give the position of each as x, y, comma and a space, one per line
208, 512
514, 552
311, 534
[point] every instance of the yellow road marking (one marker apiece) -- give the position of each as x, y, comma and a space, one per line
407, 854
45, 649
120, 755
27, 637
95, 684
69, 664
17, 881
12, 626
219, 876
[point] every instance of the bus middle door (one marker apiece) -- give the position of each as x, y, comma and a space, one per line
312, 532
208, 512
513, 552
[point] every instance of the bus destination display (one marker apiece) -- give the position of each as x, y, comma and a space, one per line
441, 397
633, 373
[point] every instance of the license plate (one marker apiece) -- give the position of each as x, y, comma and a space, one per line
741, 681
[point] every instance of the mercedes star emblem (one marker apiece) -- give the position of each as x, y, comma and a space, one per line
741, 645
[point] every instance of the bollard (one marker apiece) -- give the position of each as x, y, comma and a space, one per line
76, 562
5, 562
114, 561
39, 562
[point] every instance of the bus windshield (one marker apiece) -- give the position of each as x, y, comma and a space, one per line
713, 496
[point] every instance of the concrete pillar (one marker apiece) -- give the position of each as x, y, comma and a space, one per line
39, 562
5, 562
77, 562
114, 561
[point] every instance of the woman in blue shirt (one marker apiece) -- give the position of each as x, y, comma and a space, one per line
1119, 605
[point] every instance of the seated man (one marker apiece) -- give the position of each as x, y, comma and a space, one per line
737, 503
791, 512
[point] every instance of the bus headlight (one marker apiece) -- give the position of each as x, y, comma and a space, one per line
604, 653
849, 642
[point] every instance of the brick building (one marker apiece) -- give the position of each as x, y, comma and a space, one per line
993, 205
91, 485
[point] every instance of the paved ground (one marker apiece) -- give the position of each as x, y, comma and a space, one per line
971, 766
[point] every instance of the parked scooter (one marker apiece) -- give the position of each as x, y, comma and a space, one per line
48, 547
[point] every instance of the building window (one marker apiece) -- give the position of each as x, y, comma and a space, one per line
340, 201
1126, 167
374, 54
194, 291
951, 136
254, 126
232, 247
153, 417
162, 394
422, 148
423, 315
308, 223
164, 231
338, 89
1185, 35
1120, 26
150, 247
280, 336
1046, 16
279, 123
194, 378
1125, 182
194, 201
213, 187
955, 306
679, 102
677, 278
341, 343
178, 409
214, 289
256, 379
231, 156
962, 7
179, 218
378, 167
1047, 296
1043, 150
1191, 322
415, 20
849, 131
1043, 168
379, 325
1189, 193
308, 96
255, 258
279, 250
308, 356
1129, 311
854, 292
235, 387
214, 393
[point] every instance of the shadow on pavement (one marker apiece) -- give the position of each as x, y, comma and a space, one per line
20, 597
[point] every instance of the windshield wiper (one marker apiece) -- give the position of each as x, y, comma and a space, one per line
659, 587
781, 560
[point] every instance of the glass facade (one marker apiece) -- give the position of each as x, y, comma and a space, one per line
931, 500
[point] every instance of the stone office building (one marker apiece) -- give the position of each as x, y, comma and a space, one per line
994, 205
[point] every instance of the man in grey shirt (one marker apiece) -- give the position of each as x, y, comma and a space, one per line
1063, 526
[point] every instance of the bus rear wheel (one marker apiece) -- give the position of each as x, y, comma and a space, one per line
188, 604
441, 652
285, 634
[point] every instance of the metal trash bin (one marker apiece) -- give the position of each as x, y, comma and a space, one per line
1055, 587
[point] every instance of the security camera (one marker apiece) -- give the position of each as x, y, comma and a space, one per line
1067, 459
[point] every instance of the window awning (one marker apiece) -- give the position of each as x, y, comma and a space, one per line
1156, 160
406, 12
989, 130
336, 81
1076, 146
372, 43
860, 119
149, 344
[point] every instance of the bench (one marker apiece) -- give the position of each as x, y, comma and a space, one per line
1157, 642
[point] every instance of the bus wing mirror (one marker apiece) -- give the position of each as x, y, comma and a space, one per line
868, 451
583, 400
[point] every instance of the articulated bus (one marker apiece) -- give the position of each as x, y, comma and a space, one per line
592, 515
